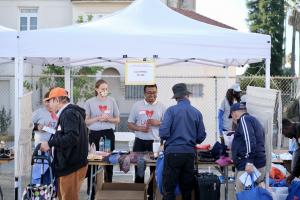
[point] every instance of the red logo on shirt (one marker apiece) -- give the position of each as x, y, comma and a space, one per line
149, 113
54, 116
102, 108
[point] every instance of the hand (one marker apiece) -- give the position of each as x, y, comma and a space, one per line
153, 122
44, 146
40, 127
249, 168
289, 179
103, 118
144, 129
222, 139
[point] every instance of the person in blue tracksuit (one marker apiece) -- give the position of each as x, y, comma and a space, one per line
182, 128
248, 146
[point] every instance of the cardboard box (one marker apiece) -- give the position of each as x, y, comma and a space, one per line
121, 191
124, 191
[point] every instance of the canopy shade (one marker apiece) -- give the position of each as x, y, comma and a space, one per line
144, 29
8, 42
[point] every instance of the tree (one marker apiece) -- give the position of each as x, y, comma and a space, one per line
83, 86
267, 17
294, 21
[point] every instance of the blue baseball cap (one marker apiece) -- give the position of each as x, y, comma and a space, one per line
237, 106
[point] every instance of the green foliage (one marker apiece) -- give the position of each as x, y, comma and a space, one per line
83, 86
52, 81
5, 120
81, 20
267, 17
27, 85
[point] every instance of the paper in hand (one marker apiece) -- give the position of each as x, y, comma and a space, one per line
245, 178
49, 130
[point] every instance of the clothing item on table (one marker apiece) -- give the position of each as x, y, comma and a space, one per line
224, 161
124, 162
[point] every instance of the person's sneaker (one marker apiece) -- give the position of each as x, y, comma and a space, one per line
231, 179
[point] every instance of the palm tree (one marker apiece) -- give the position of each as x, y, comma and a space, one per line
294, 20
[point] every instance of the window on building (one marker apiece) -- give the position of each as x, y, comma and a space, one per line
196, 89
134, 92
28, 19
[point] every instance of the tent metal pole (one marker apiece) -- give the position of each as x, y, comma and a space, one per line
16, 121
227, 77
268, 73
19, 77
68, 80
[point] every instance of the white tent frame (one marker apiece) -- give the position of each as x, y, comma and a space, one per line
37, 49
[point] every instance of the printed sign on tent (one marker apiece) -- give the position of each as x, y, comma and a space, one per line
139, 73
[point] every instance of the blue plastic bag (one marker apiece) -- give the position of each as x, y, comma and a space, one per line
294, 191
256, 193
159, 175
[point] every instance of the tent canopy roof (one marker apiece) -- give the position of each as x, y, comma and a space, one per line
8, 42
143, 29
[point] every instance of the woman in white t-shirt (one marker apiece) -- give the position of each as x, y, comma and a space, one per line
102, 115
233, 95
42, 118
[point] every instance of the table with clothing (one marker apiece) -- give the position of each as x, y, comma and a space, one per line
126, 159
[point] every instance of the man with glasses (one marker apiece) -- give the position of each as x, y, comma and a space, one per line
144, 119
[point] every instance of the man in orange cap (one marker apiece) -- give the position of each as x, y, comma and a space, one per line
70, 144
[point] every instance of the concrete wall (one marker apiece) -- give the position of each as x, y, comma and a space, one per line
51, 13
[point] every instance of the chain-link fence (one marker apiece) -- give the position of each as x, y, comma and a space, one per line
208, 92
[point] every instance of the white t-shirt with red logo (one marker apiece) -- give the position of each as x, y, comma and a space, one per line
95, 107
140, 112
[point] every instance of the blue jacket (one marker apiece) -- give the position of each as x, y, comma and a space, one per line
182, 128
248, 145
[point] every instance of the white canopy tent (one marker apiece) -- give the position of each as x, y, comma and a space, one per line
8, 42
145, 29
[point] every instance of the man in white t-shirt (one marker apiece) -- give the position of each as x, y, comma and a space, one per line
144, 119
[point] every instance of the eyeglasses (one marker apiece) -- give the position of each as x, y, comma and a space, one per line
151, 93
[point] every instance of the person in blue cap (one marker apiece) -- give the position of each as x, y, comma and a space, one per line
248, 145
182, 128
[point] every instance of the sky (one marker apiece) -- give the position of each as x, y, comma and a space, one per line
234, 13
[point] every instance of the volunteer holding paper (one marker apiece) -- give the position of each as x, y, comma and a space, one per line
43, 118
248, 146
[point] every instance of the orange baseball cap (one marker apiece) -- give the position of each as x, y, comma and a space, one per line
57, 92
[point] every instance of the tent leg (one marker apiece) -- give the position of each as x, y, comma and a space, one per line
19, 76
16, 188
68, 80
268, 73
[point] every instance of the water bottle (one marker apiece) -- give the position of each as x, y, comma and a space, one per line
107, 145
101, 144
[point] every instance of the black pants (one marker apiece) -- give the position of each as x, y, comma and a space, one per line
142, 146
178, 168
94, 137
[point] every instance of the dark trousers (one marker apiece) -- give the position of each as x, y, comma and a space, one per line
143, 146
178, 168
94, 137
